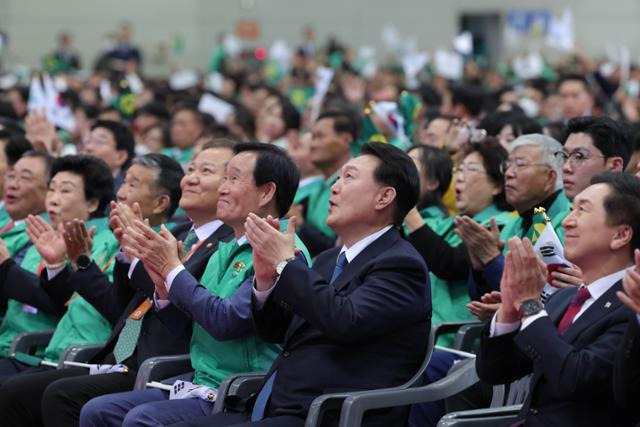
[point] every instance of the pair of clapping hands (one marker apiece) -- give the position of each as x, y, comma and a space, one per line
523, 278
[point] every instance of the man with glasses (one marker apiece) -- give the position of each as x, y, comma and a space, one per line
533, 178
593, 145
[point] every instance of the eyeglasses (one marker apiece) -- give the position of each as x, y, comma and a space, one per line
468, 169
577, 157
518, 164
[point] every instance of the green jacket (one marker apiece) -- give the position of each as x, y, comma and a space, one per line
82, 324
181, 156
214, 360
318, 207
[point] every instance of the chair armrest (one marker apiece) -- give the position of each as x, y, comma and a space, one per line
451, 327
467, 334
321, 404
480, 417
242, 385
358, 403
79, 353
27, 341
160, 368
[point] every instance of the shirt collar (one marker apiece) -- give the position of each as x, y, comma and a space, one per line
242, 240
205, 230
362, 244
602, 285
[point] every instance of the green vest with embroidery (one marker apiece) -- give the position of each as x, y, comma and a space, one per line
318, 207
449, 298
83, 324
214, 360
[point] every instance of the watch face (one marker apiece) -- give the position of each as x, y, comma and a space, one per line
83, 262
531, 307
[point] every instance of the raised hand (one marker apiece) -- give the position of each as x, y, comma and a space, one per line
270, 247
483, 245
567, 277
158, 251
487, 306
48, 242
78, 239
42, 134
631, 284
122, 216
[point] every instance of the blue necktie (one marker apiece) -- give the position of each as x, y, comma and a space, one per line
263, 397
340, 265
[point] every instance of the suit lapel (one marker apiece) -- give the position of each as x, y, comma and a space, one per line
603, 305
560, 307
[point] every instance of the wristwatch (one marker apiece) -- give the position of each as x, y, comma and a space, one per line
282, 264
531, 306
83, 262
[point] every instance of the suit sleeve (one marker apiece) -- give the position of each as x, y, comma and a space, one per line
445, 261
487, 280
109, 299
499, 361
388, 296
626, 373
573, 373
24, 286
223, 319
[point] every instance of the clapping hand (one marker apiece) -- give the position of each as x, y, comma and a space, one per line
631, 283
487, 306
122, 216
78, 239
48, 242
483, 245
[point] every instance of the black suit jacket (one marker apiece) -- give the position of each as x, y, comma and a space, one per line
116, 302
626, 373
366, 330
572, 373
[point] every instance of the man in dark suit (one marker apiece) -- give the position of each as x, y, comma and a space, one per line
569, 345
360, 317
65, 391
626, 373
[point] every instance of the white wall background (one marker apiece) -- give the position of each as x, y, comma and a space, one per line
32, 25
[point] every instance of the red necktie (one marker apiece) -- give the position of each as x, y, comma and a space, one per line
8, 226
574, 307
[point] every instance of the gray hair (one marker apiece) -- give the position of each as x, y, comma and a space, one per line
549, 149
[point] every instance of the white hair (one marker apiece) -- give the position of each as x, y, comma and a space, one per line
549, 149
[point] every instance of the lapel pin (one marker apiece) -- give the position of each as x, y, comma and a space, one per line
607, 304
209, 245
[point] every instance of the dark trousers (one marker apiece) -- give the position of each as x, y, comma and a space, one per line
11, 367
231, 419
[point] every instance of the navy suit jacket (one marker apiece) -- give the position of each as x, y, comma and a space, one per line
626, 379
366, 330
116, 302
572, 373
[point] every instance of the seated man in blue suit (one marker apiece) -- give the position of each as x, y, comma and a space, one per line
360, 317
569, 345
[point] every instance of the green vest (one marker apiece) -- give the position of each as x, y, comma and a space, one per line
558, 210
214, 360
4, 216
318, 207
83, 324
21, 317
305, 191
449, 298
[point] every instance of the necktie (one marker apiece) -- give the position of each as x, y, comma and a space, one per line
263, 397
340, 265
574, 307
189, 241
128, 337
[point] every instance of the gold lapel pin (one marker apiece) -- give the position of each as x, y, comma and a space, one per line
209, 245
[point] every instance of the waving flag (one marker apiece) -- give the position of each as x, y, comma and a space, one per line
548, 247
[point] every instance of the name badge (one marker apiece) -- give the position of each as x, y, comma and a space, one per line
142, 309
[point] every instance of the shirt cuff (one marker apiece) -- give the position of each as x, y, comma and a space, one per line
132, 267
159, 303
53, 272
172, 276
262, 296
498, 328
529, 320
120, 256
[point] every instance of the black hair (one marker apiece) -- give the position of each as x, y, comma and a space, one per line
519, 122
290, 115
607, 135
622, 204
343, 122
574, 77
15, 146
169, 173
273, 165
96, 176
430, 96
437, 166
219, 143
45, 157
397, 170
121, 134
245, 120
492, 154
471, 96
155, 109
